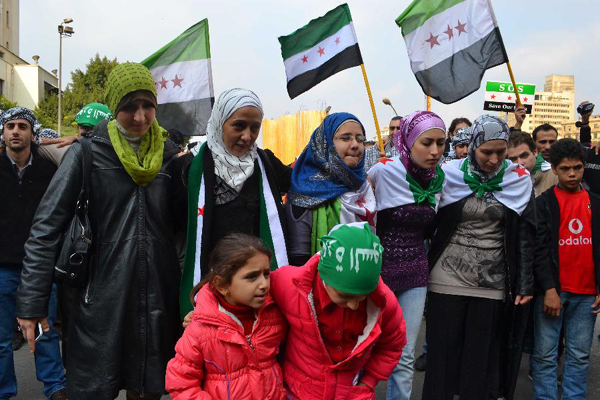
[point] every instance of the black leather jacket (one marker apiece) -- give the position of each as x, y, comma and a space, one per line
124, 324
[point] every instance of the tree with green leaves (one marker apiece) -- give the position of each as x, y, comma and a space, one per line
85, 87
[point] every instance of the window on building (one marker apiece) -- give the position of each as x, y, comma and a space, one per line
49, 88
7, 19
2, 87
595, 126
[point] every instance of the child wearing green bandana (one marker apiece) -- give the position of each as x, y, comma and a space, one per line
346, 329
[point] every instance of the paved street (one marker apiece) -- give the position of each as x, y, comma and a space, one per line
31, 389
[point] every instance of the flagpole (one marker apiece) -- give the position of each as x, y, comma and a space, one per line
510, 72
428, 103
514, 83
362, 67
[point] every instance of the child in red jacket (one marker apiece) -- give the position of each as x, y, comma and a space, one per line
346, 327
229, 349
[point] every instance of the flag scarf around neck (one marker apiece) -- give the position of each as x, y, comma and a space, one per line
320, 49
450, 44
394, 187
350, 207
183, 75
270, 229
511, 186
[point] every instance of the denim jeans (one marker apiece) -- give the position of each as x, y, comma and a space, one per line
412, 302
579, 333
48, 363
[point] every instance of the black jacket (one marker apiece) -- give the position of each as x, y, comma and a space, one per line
519, 239
546, 250
124, 325
241, 214
19, 198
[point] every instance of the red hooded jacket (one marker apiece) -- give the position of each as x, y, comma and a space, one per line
214, 360
308, 370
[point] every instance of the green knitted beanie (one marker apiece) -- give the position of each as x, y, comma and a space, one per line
124, 79
351, 259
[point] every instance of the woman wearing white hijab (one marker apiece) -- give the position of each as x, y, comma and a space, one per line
233, 186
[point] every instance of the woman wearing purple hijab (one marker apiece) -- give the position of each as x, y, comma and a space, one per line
407, 189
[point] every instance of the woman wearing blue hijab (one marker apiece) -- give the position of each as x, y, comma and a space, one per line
328, 185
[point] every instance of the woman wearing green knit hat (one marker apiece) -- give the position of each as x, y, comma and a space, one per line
123, 324
346, 329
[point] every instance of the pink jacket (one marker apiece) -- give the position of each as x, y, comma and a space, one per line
307, 368
214, 360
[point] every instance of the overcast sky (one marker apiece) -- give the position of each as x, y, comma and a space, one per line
542, 37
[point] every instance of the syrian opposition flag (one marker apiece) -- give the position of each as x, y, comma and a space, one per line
183, 77
324, 47
512, 186
450, 44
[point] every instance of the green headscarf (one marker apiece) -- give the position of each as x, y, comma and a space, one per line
351, 259
145, 165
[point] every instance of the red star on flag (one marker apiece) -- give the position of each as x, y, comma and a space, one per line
385, 161
525, 99
493, 96
449, 32
520, 171
337, 40
321, 51
163, 83
176, 81
304, 59
460, 28
201, 211
510, 97
432, 40
360, 202
369, 217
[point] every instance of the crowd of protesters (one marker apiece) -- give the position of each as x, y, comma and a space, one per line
198, 280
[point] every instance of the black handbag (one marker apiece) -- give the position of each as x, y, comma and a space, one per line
72, 263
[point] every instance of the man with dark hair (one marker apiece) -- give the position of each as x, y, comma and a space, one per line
544, 137
567, 274
24, 177
372, 155
522, 149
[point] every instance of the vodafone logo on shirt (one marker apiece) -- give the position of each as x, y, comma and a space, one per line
575, 227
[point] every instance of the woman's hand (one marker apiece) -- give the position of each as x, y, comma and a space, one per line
552, 304
522, 299
27, 326
187, 319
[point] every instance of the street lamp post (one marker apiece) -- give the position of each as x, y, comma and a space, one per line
387, 102
63, 31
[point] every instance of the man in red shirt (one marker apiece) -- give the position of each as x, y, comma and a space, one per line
567, 272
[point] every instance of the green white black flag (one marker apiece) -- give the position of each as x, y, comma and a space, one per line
450, 44
183, 76
324, 47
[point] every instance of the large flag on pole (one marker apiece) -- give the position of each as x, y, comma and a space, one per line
324, 47
450, 44
183, 77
